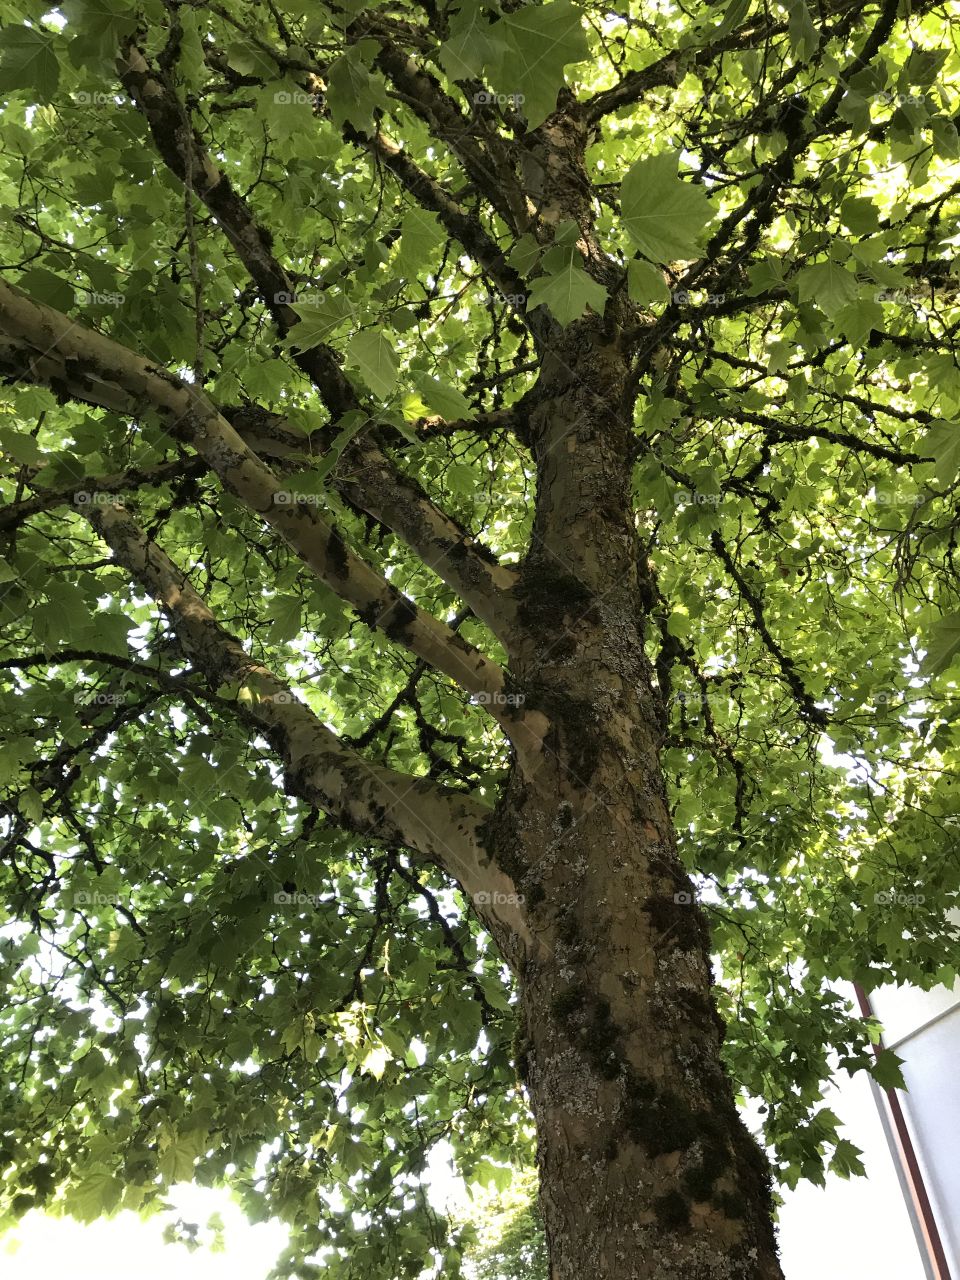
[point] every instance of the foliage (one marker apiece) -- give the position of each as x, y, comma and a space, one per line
206, 979
511, 1244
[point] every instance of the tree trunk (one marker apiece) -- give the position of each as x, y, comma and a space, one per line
646, 1168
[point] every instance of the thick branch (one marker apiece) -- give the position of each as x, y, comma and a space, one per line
371, 800
93, 359
400, 502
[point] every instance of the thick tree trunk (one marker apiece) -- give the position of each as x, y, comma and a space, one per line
646, 1168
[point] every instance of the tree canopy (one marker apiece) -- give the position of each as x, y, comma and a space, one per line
279, 283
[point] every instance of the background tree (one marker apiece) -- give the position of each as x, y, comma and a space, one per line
466, 468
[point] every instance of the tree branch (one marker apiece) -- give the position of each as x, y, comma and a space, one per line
93, 359
413, 515
808, 708
445, 827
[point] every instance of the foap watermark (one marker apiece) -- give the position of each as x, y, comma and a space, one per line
498, 699
312, 297
484, 98
683, 898
87, 698
887, 98
495, 898
683, 298
296, 899
509, 299
282, 697
90, 298
289, 498
93, 498
93, 98
897, 500
889, 898
695, 498
90, 898
296, 98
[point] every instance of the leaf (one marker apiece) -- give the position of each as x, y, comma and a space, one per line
474, 43
420, 233
350, 424
97, 1193
846, 1160
318, 320
371, 352
827, 285
860, 215
645, 284
375, 1061
47, 287
30, 804
539, 41
804, 37
662, 214
942, 443
285, 611
857, 319
353, 94
886, 1070
447, 401
177, 1161
568, 291
942, 645
27, 61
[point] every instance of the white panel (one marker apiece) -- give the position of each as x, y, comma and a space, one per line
903, 1009
932, 1105
856, 1228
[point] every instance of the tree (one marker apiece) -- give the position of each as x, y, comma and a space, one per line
468, 468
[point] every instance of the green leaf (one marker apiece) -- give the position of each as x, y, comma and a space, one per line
645, 284
474, 43
30, 804
27, 61
374, 1061
942, 646
318, 320
886, 1070
846, 1161
568, 291
539, 41
857, 319
371, 352
47, 287
176, 1163
447, 401
662, 214
350, 424
860, 215
97, 1193
353, 93
827, 285
942, 443
803, 35
420, 234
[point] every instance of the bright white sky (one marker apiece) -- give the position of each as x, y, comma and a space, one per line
42, 1248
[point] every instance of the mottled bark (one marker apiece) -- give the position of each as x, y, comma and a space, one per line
647, 1172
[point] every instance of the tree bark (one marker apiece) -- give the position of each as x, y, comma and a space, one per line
647, 1171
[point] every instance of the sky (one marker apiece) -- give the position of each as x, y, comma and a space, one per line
41, 1248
